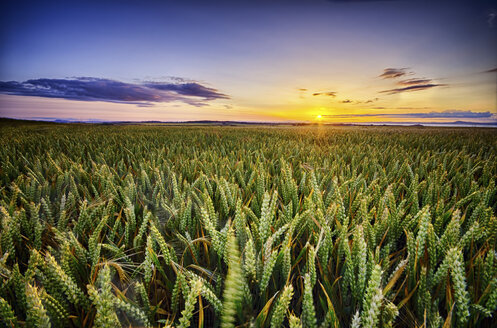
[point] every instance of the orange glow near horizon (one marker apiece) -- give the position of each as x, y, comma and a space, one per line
267, 109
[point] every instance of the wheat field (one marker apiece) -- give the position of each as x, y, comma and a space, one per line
209, 226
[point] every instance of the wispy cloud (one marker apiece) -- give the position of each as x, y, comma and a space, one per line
493, 70
454, 114
332, 94
97, 89
407, 85
356, 102
491, 18
392, 73
349, 1
414, 81
417, 87
191, 89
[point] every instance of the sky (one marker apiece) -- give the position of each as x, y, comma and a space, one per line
286, 61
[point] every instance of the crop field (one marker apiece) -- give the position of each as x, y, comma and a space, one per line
210, 226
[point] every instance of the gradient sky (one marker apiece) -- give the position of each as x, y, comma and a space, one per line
345, 61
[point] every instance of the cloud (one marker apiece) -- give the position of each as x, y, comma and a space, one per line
97, 89
332, 94
414, 82
191, 89
407, 85
351, 1
493, 70
418, 87
455, 114
491, 18
356, 102
392, 73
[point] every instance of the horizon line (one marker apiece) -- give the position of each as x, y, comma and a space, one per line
458, 123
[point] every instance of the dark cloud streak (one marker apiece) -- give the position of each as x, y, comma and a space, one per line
414, 82
418, 87
332, 94
392, 73
444, 114
191, 89
407, 85
97, 89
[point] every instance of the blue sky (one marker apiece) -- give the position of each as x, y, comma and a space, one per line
248, 60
